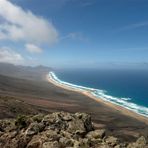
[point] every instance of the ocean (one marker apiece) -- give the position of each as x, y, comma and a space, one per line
127, 88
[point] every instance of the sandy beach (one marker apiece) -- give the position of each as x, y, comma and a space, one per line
45, 96
122, 110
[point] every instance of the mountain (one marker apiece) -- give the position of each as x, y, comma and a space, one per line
24, 72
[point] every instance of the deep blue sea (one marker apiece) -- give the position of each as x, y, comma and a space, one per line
128, 85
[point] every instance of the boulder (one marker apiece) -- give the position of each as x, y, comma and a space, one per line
58, 130
35, 144
140, 143
53, 144
86, 119
66, 142
112, 141
34, 128
96, 134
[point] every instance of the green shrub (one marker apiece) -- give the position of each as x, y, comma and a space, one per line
38, 118
21, 121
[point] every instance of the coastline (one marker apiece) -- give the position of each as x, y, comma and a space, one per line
87, 93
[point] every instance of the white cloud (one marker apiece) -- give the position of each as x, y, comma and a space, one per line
75, 36
7, 55
21, 25
33, 48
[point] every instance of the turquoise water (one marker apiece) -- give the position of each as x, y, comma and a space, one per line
128, 88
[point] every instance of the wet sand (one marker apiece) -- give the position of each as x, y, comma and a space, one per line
99, 100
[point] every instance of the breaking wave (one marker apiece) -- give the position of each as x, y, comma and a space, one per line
102, 94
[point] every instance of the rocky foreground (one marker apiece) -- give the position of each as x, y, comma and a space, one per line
59, 130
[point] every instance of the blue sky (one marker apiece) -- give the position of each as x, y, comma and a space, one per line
74, 33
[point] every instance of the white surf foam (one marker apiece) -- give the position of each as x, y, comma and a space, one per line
101, 94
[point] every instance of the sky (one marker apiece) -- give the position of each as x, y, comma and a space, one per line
74, 33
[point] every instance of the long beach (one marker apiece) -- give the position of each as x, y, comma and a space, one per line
121, 109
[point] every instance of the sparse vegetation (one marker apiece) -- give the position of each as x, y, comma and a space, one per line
38, 118
21, 121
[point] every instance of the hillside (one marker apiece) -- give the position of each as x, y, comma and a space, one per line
24, 72
59, 130
27, 96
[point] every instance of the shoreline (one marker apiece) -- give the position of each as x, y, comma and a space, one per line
87, 93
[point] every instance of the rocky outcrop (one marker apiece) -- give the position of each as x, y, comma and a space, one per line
58, 130
140, 143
